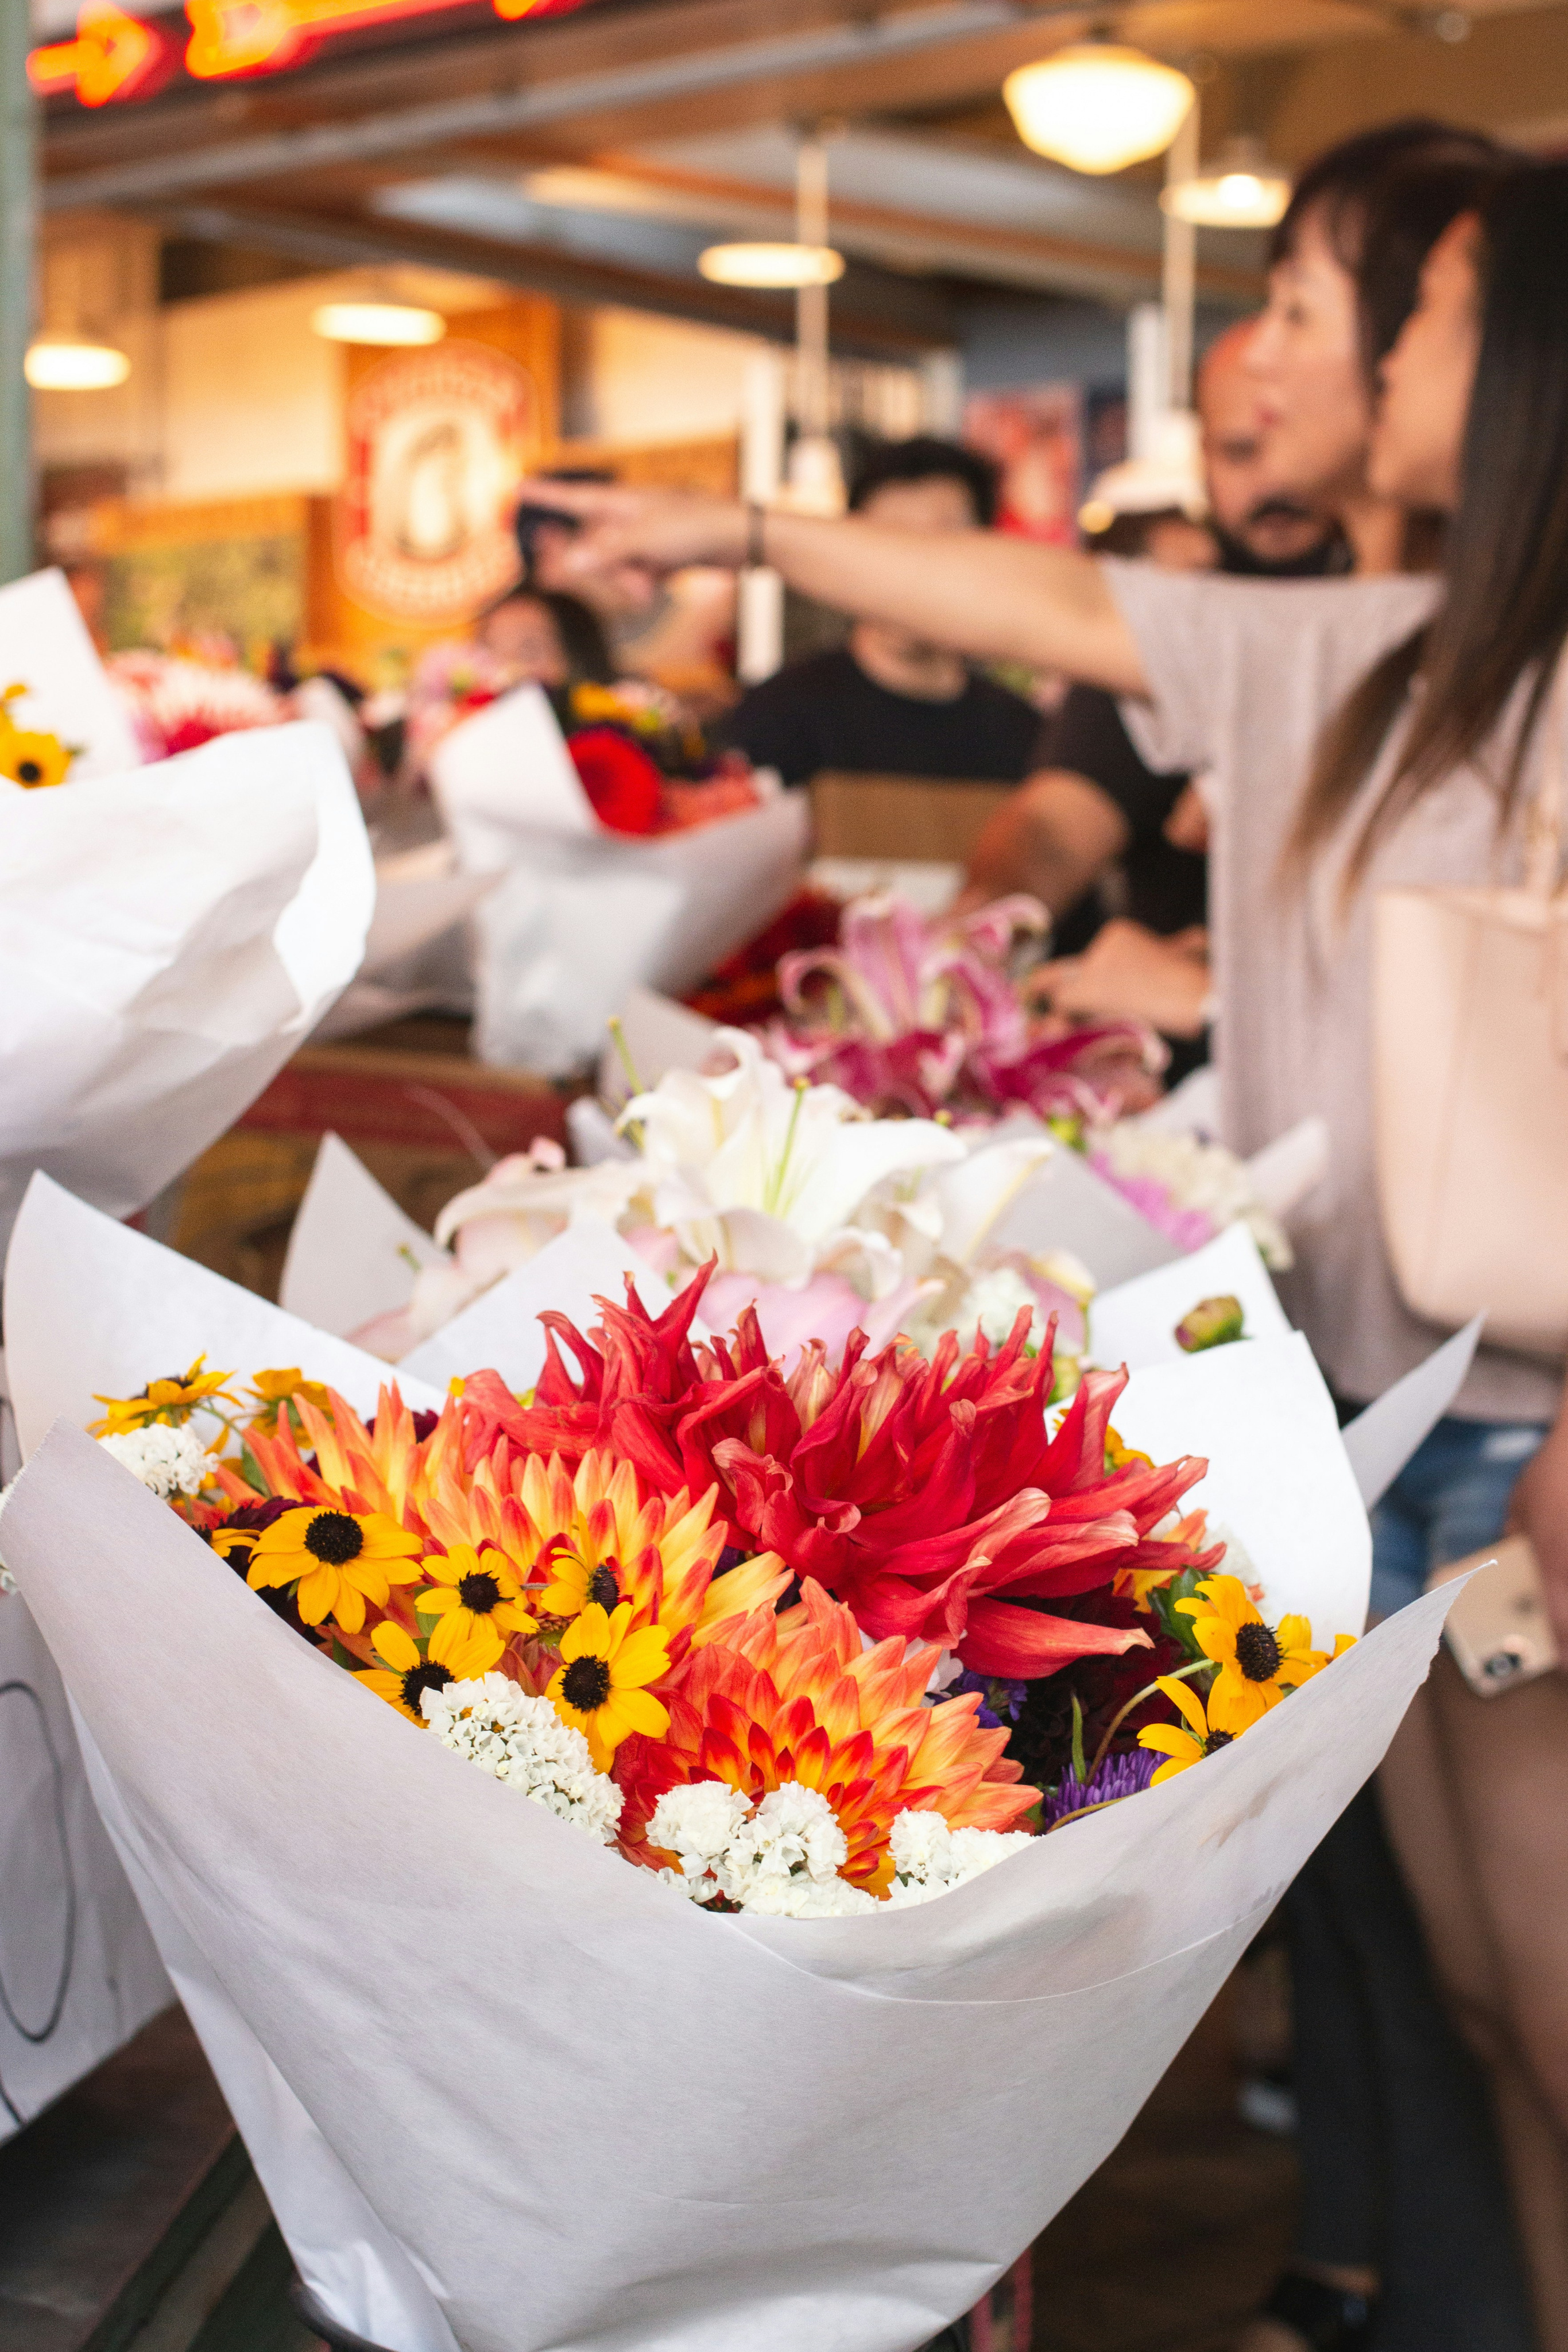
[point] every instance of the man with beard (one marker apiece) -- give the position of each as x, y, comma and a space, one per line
1092, 823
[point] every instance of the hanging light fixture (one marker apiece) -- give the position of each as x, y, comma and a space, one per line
774, 266
1097, 107
1240, 189
390, 324
74, 363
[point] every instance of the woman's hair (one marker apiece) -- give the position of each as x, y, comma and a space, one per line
1505, 615
1382, 201
585, 649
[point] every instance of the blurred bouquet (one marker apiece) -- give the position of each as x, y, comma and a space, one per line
817, 1214
1188, 1186
32, 757
450, 683
644, 764
177, 703
917, 1016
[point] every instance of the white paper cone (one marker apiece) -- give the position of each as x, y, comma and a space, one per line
167, 938
1381, 1440
1069, 1205
1136, 1323
590, 2114
45, 646
1280, 1480
350, 1247
78, 1969
137, 1309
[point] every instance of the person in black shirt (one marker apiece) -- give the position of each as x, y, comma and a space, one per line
887, 703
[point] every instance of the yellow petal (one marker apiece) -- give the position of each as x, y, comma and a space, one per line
642, 1657
436, 1600
642, 1712
1293, 1633
1216, 1639
1182, 1695
385, 1539
1168, 1771
588, 1635
1170, 1740
514, 1619
560, 1600
350, 1611
315, 1594
390, 1642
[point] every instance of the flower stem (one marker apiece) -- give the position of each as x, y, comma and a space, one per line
618, 1038
775, 1184
1198, 1666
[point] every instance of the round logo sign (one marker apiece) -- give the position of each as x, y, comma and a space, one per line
437, 439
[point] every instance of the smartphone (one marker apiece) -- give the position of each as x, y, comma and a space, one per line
1499, 1631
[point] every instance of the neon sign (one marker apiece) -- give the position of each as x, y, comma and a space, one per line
116, 56
112, 56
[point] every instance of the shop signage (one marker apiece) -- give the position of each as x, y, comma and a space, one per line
117, 56
436, 441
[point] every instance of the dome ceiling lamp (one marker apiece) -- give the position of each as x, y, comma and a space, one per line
1240, 189
1097, 106
771, 267
381, 322
74, 362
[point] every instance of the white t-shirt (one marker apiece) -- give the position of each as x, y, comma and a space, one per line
1242, 675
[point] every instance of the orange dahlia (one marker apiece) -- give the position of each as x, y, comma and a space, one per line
796, 1696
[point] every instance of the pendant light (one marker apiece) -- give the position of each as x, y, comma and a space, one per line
771, 266
1096, 106
1240, 189
74, 363
392, 325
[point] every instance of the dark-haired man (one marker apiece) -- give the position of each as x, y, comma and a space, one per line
887, 703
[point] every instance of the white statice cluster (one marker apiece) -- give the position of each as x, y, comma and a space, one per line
1195, 1176
167, 1459
782, 1859
929, 1858
523, 1742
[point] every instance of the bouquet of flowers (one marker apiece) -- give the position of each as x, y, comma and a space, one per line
819, 1216
645, 765
606, 883
757, 1646
60, 714
917, 1016
177, 703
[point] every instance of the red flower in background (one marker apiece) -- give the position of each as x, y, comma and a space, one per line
931, 1498
619, 779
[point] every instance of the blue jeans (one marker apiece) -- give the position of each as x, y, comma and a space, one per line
1450, 1498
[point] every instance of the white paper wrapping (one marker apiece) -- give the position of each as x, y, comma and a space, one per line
350, 1247
1136, 1323
167, 938
581, 915
507, 2093
45, 646
585, 2113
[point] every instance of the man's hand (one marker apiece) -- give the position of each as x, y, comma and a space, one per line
657, 531
1130, 974
1539, 1509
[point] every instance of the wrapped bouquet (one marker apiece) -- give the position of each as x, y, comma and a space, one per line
819, 1216
582, 911
667, 1727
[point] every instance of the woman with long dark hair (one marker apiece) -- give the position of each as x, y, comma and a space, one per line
1360, 734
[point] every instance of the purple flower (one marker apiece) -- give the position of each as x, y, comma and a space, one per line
997, 1698
1118, 1777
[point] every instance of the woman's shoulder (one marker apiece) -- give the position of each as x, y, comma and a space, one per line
1245, 600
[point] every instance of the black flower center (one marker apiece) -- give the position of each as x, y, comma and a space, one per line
421, 1678
603, 1588
586, 1685
335, 1539
1256, 1653
1216, 1741
29, 772
479, 1594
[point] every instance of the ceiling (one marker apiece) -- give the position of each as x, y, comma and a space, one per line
593, 155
